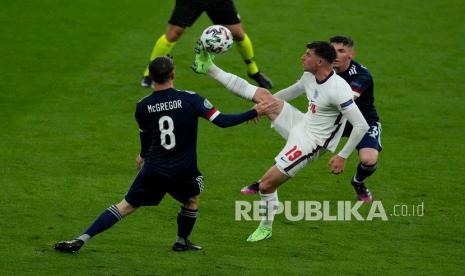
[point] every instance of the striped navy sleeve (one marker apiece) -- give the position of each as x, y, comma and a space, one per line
209, 112
229, 120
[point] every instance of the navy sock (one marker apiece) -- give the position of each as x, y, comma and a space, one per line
186, 220
106, 220
364, 171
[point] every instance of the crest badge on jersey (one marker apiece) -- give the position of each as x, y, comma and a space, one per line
315, 94
207, 104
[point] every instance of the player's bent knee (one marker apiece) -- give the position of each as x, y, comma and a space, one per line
125, 208
173, 33
237, 31
369, 157
192, 203
369, 161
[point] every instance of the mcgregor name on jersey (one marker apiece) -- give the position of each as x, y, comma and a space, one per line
164, 106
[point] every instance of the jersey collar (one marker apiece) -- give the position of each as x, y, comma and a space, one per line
323, 81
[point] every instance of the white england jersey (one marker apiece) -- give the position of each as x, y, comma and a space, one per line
327, 99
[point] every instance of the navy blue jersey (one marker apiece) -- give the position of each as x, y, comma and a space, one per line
168, 120
361, 82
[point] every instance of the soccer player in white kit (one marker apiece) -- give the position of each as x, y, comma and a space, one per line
308, 135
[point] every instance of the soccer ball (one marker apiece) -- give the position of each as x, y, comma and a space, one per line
217, 39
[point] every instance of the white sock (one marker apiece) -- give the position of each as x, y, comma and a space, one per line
233, 83
84, 237
269, 204
181, 240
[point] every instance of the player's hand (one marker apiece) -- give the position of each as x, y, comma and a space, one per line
270, 105
337, 164
264, 107
139, 162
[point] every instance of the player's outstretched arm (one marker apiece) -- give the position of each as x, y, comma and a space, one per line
229, 120
290, 92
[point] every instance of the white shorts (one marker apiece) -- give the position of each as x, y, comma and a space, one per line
287, 119
300, 148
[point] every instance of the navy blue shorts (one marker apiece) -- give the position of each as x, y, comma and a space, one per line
149, 187
372, 138
220, 12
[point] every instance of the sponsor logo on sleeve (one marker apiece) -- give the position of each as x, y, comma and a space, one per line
207, 104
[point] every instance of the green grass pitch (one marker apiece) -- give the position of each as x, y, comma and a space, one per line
69, 73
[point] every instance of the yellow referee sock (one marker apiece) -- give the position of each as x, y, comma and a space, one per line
162, 48
246, 50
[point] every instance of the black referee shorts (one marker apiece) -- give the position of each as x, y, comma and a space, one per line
221, 12
149, 187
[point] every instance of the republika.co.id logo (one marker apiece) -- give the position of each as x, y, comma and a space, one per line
326, 210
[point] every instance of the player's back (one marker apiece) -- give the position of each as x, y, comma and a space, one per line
171, 118
361, 82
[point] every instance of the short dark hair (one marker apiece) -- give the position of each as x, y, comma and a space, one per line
344, 39
323, 49
161, 69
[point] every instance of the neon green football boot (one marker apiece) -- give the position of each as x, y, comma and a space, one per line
203, 59
260, 234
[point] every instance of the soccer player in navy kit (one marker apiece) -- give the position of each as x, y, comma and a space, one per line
167, 119
361, 82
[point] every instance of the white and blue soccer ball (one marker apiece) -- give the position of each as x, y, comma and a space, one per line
217, 39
